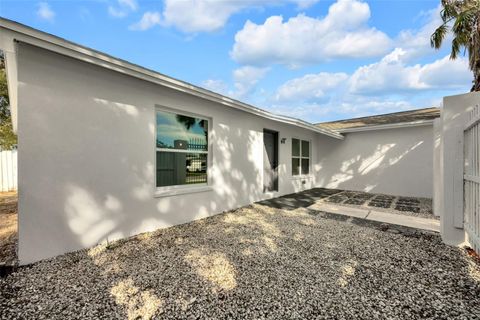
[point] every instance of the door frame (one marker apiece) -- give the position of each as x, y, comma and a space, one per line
276, 156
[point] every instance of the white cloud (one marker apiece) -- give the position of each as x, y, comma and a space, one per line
416, 43
389, 85
301, 111
342, 108
368, 106
115, 12
246, 78
192, 16
310, 86
215, 85
343, 33
396, 74
389, 76
198, 16
392, 75
446, 74
132, 4
148, 20
329, 97
45, 12
122, 8
398, 81
304, 4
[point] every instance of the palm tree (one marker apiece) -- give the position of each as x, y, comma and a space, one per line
463, 17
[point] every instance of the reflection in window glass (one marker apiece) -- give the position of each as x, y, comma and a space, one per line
295, 147
178, 168
182, 150
295, 166
305, 148
175, 131
305, 166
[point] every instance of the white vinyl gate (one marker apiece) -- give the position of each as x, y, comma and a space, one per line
471, 178
8, 170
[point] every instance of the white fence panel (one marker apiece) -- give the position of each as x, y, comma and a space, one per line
471, 178
8, 170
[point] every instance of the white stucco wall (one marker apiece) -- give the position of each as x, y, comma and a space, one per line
87, 152
389, 161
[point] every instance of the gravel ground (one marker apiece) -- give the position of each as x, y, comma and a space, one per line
410, 206
8, 228
256, 262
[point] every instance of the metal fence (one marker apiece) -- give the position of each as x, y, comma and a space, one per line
197, 144
8, 170
471, 178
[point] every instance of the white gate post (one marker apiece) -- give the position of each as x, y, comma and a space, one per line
437, 165
454, 116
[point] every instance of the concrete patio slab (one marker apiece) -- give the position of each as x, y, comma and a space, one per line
406, 221
317, 199
343, 210
300, 199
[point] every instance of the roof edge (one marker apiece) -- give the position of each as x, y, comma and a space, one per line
65, 47
398, 125
378, 115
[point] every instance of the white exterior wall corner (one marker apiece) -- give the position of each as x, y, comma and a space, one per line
437, 166
454, 116
87, 152
390, 161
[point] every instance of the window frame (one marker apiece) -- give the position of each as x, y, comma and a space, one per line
300, 157
183, 188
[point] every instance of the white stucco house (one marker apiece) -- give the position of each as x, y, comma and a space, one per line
108, 149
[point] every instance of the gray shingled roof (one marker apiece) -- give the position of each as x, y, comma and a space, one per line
383, 119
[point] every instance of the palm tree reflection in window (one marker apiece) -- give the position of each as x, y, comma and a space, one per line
182, 149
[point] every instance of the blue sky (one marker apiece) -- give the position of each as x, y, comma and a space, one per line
310, 59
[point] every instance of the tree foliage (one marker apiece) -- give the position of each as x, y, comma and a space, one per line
462, 18
8, 139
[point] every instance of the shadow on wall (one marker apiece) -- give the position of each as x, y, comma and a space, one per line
95, 183
397, 162
94, 216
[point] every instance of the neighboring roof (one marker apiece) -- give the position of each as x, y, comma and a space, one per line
26, 34
384, 121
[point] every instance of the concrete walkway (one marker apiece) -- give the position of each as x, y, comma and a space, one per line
315, 199
392, 218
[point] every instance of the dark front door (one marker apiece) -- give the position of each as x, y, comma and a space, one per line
270, 161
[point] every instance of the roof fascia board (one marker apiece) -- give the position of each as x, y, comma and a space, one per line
388, 126
43, 40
